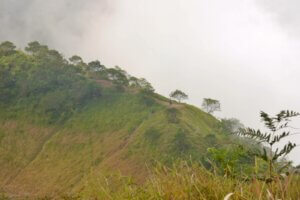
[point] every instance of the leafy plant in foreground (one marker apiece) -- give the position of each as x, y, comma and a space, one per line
232, 161
278, 130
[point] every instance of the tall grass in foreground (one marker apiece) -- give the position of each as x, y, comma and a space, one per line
184, 181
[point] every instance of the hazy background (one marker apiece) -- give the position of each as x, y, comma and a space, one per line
244, 53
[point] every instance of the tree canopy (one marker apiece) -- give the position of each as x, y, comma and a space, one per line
178, 95
41, 79
7, 48
95, 66
211, 105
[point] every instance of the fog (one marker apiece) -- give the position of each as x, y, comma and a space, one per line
241, 52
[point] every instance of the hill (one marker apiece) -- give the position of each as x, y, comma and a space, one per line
65, 122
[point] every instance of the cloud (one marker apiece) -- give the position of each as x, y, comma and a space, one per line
286, 13
62, 24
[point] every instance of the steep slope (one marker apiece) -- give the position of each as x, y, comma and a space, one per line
122, 133
64, 123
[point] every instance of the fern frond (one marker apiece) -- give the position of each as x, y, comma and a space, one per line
277, 138
254, 134
285, 115
286, 150
268, 121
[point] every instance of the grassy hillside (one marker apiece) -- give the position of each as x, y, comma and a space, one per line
64, 123
120, 133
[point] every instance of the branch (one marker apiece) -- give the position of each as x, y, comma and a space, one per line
294, 134
286, 150
277, 138
285, 114
253, 134
268, 121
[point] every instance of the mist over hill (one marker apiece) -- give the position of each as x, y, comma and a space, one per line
215, 116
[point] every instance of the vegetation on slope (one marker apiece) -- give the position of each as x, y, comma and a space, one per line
64, 123
59, 114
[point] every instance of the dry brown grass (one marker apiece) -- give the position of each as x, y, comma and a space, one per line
184, 181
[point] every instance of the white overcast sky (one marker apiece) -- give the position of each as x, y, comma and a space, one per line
244, 53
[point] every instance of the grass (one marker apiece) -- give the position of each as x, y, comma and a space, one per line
123, 133
120, 132
189, 181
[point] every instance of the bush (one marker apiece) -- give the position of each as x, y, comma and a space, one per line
231, 161
180, 144
172, 114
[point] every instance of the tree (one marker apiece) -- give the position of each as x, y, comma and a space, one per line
117, 76
7, 85
41, 79
7, 48
211, 105
133, 81
278, 130
78, 63
55, 56
141, 83
95, 66
145, 86
231, 125
76, 60
178, 95
35, 47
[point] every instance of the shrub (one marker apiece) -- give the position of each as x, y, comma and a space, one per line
232, 161
180, 143
172, 115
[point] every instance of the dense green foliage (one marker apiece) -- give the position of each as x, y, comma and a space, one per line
42, 82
